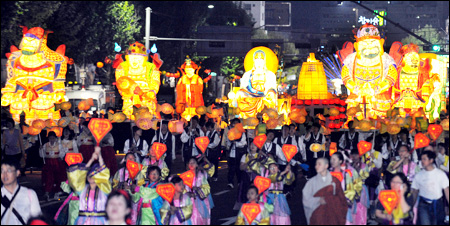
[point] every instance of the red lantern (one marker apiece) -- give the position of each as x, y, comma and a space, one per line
333, 148
260, 140
300, 102
159, 149
73, 158
166, 191
99, 128
342, 102
435, 131
338, 175
325, 102
262, 183
250, 211
331, 125
389, 200
364, 147
307, 102
188, 178
317, 102
332, 118
133, 168
202, 143
421, 141
341, 109
289, 151
342, 116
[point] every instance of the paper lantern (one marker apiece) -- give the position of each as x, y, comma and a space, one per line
119, 117
353, 110
144, 123
201, 110
236, 111
155, 124
202, 143
260, 140
83, 105
57, 130
252, 122
389, 200
342, 116
188, 178
272, 123
342, 102
299, 102
315, 147
435, 131
66, 106
331, 125
334, 111
421, 141
365, 125
272, 113
421, 124
307, 102
99, 128
234, 134
364, 147
393, 128
332, 118
38, 124
325, 102
64, 121
289, 151
338, 175
166, 191
73, 158
180, 108
133, 168
333, 148
445, 124
167, 109
317, 102
303, 112
250, 211
99, 64
176, 126
270, 57
262, 183
90, 101
240, 127
159, 149
49, 123
341, 109
30, 130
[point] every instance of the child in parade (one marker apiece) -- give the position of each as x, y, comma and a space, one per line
263, 217
68, 216
281, 211
91, 183
53, 170
179, 212
118, 208
249, 170
200, 192
149, 201
153, 161
122, 178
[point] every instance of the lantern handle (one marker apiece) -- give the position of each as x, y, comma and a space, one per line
41, 148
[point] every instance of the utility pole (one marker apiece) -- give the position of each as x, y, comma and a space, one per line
148, 11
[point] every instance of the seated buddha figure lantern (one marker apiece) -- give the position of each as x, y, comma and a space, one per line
35, 77
259, 83
189, 90
138, 80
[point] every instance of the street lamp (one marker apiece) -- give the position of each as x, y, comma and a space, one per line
211, 6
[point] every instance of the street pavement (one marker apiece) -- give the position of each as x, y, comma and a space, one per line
224, 197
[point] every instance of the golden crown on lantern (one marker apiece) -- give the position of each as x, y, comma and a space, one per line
259, 54
137, 49
367, 31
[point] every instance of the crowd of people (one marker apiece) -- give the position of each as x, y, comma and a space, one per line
341, 189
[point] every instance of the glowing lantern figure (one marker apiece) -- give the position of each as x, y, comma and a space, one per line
260, 140
259, 83
137, 80
369, 73
262, 183
99, 128
435, 131
189, 89
312, 82
35, 77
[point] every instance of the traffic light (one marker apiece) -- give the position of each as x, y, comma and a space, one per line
436, 48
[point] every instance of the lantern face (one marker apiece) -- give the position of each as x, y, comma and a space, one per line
338, 175
388, 199
289, 151
133, 168
421, 141
73, 158
364, 147
202, 143
262, 183
99, 128
260, 140
167, 109
166, 191
271, 60
250, 211
188, 178
159, 149
333, 148
435, 131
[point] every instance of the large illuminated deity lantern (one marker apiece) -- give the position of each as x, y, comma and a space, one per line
259, 83
138, 80
189, 90
35, 79
369, 73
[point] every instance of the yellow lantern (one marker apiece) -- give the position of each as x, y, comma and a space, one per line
49, 123
393, 128
201, 110
66, 106
234, 134
272, 113
401, 121
272, 123
99, 64
271, 59
180, 108
176, 127
144, 123
365, 125
312, 82
38, 124
119, 117
83, 105
167, 109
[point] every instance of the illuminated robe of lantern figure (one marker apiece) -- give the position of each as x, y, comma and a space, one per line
410, 91
189, 89
36, 76
258, 88
146, 78
369, 73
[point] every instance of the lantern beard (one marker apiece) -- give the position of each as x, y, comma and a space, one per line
28, 53
371, 55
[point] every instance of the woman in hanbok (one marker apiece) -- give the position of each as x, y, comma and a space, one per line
405, 165
122, 179
249, 170
200, 192
94, 194
69, 143
179, 211
263, 218
149, 201
118, 208
107, 145
86, 142
281, 211
53, 169
153, 161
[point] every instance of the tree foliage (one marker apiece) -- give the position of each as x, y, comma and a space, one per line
428, 33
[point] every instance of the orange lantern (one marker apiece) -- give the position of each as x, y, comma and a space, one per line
90, 101
333, 111
272, 113
389, 200
250, 211
444, 124
272, 123
393, 128
365, 125
315, 147
30, 130
188, 178
202, 143
49, 123
166, 191
167, 109
144, 123
38, 124
435, 131
99, 64
64, 121
303, 112
240, 127
234, 134
338, 175
201, 110
289, 151
58, 131
333, 148
262, 183
180, 108
260, 140
73, 158
99, 128
364, 147
176, 126
159, 149
133, 168
66, 106
119, 117
421, 141
83, 105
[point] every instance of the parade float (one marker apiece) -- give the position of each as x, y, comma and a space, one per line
35, 77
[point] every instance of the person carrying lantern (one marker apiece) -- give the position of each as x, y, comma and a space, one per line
85, 142
107, 145
189, 89
263, 218
179, 211
165, 137
153, 161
